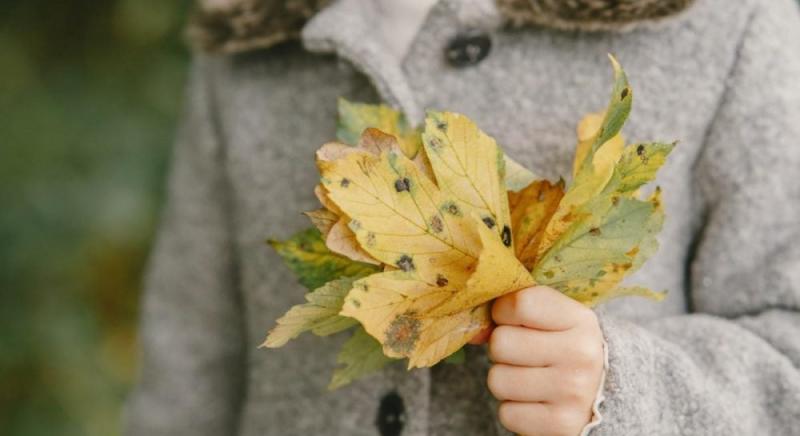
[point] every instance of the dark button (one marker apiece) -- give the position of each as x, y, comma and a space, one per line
468, 49
391, 415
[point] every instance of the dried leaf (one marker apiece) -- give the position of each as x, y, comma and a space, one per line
323, 220
342, 240
531, 210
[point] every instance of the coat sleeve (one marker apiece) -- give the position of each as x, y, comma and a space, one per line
191, 331
732, 366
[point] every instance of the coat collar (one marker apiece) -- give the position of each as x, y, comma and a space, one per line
231, 26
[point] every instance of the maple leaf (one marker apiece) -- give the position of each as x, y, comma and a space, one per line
601, 231
454, 223
434, 233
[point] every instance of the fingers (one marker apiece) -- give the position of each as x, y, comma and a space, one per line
540, 308
522, 346
545, 418
541, 385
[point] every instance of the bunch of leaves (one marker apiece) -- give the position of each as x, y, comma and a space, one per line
420, 229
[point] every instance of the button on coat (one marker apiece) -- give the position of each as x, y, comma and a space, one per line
468, 49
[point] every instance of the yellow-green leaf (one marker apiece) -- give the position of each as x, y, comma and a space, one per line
354, 118
314, 264
320, 314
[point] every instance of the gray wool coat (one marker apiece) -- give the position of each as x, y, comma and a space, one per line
721, 356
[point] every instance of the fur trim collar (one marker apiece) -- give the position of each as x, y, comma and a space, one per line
231, 26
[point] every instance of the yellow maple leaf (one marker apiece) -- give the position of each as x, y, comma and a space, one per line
469, 168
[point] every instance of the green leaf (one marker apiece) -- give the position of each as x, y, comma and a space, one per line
320, 314
355, 117
361, 355
606, 232
314, 264
457, 358
632, 291
619, 106
639, 164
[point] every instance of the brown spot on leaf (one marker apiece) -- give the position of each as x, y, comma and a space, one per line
441, 280
345, 182
633, 251
371, 239
506, 236
436, 224
594, 231
624, 94
403, 184
451, 208
441, 125
405, 263
402, 334
621, 267
355, 302
614, 201
489, 221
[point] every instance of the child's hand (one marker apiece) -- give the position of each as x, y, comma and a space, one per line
548, 355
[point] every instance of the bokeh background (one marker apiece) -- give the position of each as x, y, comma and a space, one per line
89, 96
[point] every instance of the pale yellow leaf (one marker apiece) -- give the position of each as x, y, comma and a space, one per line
469, 168
400, 217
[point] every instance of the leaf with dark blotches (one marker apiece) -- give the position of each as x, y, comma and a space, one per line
392, 306
400, 217
469, 167
602, 231
314, 264
452, 223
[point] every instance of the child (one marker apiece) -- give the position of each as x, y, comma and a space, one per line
719, 356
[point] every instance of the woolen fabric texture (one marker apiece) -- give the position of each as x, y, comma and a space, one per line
719, 356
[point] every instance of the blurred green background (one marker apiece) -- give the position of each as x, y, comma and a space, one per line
89, 96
